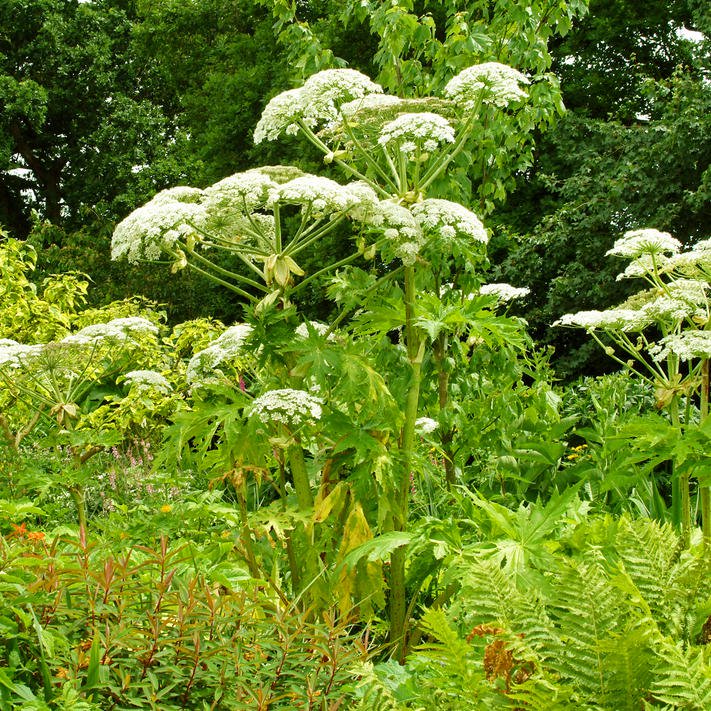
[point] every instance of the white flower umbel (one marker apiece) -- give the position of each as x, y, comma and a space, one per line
686, 345
505, 292
696, 262
280, 115
325, 92
246, 191
665, 309
693, 291
425, 425
322, 195
398, 225
148, 231
371, 102
610, 320
449, 219
316, 103
635, 243
490, 82
289, 407
14, 355
423, 132
119, 330
148, 380
203, 366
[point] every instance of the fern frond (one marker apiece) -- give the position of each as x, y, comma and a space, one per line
683, 677
376, 693
649, 552
628, 663
671, 582
585, 609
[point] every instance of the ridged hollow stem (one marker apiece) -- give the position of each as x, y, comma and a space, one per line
440, 358
222, 282
309, 238
705, 490
415, 353
225, 272
366, 155
309, 579
313, 138
290, 554
251, 558
79, 497
277, 228
681, 497
300, 476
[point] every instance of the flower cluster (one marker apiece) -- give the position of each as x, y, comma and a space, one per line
635, 243
685, 345
247, 191
226, 347
119, 330
664, 309
148, 380
398, 225
412, 132
14, 355
490, 82
610, 320
316, 103
154, 228
322, 195
425, 425
370, 102
449, 220
288, 407
505, 292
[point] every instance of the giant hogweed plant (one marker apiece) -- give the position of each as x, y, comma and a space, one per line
317, 413
76, 380
662, 335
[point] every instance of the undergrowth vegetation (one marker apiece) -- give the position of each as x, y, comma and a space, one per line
396, 507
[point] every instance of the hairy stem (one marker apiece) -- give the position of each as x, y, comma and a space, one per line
415, 352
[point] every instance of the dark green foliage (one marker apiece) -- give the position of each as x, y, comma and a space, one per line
593, 181
604, 61
77, 116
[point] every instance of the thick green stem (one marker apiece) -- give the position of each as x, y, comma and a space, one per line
79, 497
415, 351
300, 475
681, 497
440, 356
247, 531
705, 490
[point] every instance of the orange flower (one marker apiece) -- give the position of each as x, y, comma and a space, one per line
35, 536
19, 531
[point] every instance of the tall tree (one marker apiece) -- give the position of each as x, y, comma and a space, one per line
77, 126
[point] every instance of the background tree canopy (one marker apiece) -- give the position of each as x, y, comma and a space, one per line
102, 103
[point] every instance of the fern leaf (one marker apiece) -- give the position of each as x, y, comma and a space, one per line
585, 610
683, 678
